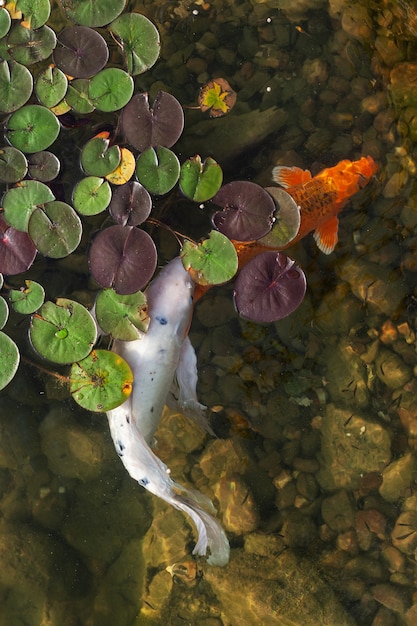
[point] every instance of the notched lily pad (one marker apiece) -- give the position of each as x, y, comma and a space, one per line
43, 166
81, 52
287, 221
32, 128
27, 45
122, 316
55, 229
131, 204
16, 85
158, 170
99, 158
20, 202
139, 39
212, 262
13, 165
110, 89
91, 195
51, 86
28, 299
200, 180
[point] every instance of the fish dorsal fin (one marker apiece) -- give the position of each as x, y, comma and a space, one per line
325, 235
290, 176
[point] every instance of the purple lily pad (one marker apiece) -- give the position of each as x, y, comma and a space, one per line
146, 126
130, 204
248, 211
17, 250
269, 287
122, 257
81, 52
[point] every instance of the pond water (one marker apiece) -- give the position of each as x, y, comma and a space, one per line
313, 471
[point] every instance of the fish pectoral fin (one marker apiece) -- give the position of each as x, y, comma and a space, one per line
325, 235
290, 176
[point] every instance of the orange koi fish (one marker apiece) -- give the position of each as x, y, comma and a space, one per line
321, 197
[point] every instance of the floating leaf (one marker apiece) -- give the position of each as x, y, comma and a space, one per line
158, 170
9, 358
212, 262
43, 166
16, 85
122, 316
125, 170
4, 312
248, 211
5, 22
32, 128
91, 195
51, 86
19, 202
101, 382
63, 332
17, 251
27, 45
13, 165
55, 229
130, 205
287, 222
111, 89
27, 299
98, 158
269, 287
139, 39
199, 180
81, 52
77, 96
123, 257
35, 12
146, 126
217, 97
91, 13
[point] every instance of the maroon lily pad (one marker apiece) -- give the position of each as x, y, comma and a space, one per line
146, 126
269, 287
247, 211
130, 204
122, 257
17, 250
81, 52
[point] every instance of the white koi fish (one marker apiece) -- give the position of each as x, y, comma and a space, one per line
164, 357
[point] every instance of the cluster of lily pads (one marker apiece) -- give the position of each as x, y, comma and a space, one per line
73, 62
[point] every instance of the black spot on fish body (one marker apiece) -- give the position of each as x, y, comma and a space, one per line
143, 481
162, 320
119, 447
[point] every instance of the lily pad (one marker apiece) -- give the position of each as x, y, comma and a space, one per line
125, 170
28, 45
287, 220
269, 287
28, 299
13, 165
77, 96
9, 357
139, 39
20, 202
5, 22
43, 166
4, 312
131, 204
122, 316
111, 89
63, 332
16, 86
35, 12
217, 97
17, 250
212, 262
91, 13
91, 195
81, 52
55, 229
51, 86
199, 180
32, 128
146, 126
122, 257
248, 211
158, 170
101, 382
98, 158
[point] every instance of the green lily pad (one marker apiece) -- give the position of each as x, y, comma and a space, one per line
93, 14
77, 96
28, 46
32, 128
98, 159
5, 22
139, 39
51, 86
158, 170
13, 165
287, 222
9, 358
4, 312
213, 261
63, 332
111, 89
27, 299
43, 166
15, 86
199, 180
20, 202
55, 229
101, 382
91, 195
122, 316
35, 12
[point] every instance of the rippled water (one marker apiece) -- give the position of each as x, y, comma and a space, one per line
314, 468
